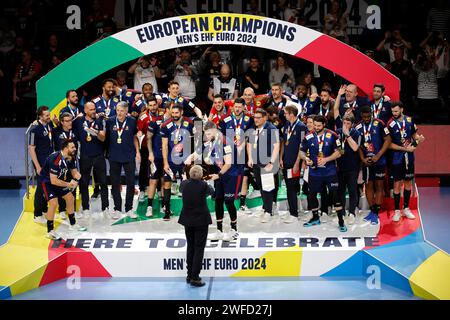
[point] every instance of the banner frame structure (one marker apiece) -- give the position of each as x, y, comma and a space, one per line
212, 29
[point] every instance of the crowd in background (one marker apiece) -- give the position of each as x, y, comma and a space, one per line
419, 59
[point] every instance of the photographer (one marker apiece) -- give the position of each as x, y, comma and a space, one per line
224, 85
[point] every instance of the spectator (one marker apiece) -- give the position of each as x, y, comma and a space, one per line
121, 78
254, 8
99, 24
308, 80
7, 36
438, 19
281, 73
427, 86
225, 85
339, 32
55, 61
333, 17
436, 45
14, 56
255, 77
48, 53
209, 63
144, 72
24, 81
394, 40
402, 69
185, 74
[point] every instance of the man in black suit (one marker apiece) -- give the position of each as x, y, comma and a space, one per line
195, 217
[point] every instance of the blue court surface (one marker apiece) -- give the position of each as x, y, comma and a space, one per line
434, 204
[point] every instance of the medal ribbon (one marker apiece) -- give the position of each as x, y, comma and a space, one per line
119, 129
367, 136
291, 129
376, 110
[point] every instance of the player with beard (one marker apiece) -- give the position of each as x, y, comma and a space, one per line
219, 110
141, 100
404, 142
226, 173
91, 134
65, 132
106, 103
376, 141
234, 127
278, 101
381, 109
57, 183
154, 147
40, 146
323, 147
176, 134
324, 106
72, 104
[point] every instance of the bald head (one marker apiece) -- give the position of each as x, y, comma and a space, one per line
89, 109
225, 71
248, 95
351, 93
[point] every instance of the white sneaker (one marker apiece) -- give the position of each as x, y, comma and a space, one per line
265, 217
230, 236
257, 213
131, 214
284, 215
77, 227
141, 196
307, 216
407, 213
254, 194
114, 214
397, 216
105, 213
216, 236
63, 215
40, 220
323, 218
86, 213
290, 219
149, 212
53, 235
275, 209
350, 219
244, 209
78, 215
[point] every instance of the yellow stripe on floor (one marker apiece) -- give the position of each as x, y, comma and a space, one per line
431, 280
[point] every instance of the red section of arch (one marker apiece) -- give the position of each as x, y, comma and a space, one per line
350, 64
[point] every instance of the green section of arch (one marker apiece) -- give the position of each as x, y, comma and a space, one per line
82, 67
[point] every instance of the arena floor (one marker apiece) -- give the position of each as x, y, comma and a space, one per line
436, 221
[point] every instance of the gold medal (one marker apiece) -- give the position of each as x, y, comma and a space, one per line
119, 140
175, 141
320, 155
342, 151
255, 146
88, 138
287, 142
238, 137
